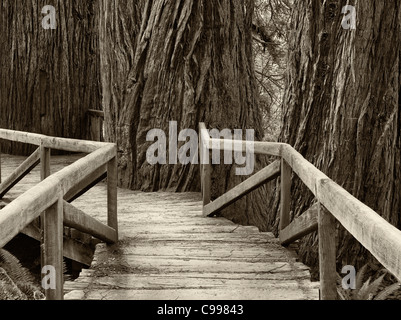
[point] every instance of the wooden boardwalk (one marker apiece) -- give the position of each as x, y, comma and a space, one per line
167, 250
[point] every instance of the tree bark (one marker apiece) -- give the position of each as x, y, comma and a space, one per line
48, 78
342, 109
186, 61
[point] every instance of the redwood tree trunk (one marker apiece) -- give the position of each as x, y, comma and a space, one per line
342, 108
186, 61
48, 78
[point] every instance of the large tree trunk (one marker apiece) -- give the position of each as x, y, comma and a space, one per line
342, 108
186, 61
48, 78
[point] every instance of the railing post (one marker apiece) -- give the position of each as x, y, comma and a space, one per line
285, 198
44, 163
112, 177
52, 266
201, 158
207, 182
44, 171
327, 254
205, 170
40, 222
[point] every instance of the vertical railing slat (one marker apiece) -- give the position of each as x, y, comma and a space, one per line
112, 177
327, 255
207, 178
285, 198
205, 168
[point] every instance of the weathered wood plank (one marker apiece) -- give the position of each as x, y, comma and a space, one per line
267, 174
301, 226
327, 255
154, 282
23, 137
26, 167
176, 279
77, 219
290, 292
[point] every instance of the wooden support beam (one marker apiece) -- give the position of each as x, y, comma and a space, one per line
207, 181
53, 249
72, 249
77, 219
301, 226
20, 173
112, 177
285, 198
327, 255
265, 175
78, 251
44, 174
86, 184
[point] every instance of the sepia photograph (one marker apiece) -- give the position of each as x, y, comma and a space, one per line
200, 154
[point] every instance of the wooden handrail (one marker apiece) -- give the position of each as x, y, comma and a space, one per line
47, 198
377, 235
301, 226
64, 144
263, 176
27, 166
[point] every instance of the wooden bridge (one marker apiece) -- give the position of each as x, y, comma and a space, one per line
169, 246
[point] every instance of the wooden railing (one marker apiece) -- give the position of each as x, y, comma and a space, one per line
333, 203
50, 199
